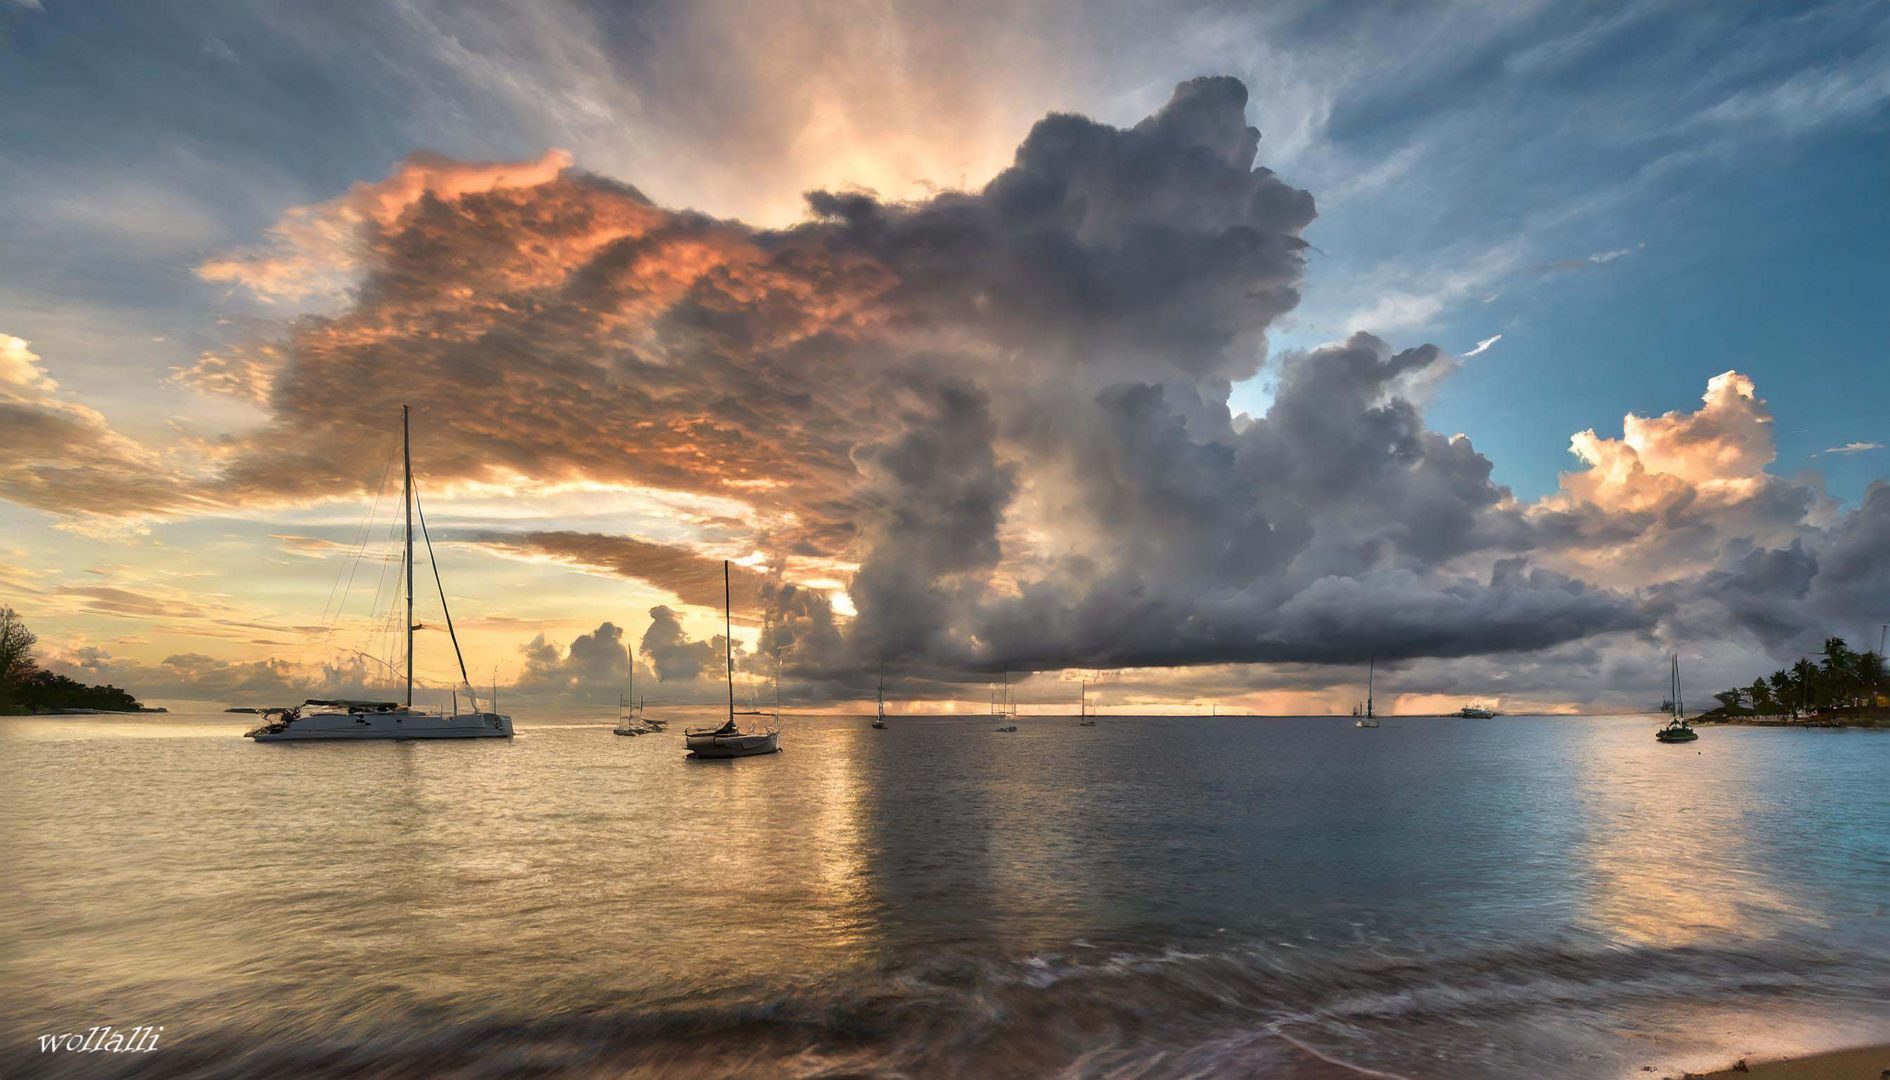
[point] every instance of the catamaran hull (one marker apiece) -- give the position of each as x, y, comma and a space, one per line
733, 746
348, 728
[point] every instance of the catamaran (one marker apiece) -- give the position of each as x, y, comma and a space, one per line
729, 740
1677, 729
1370, 719
335, 720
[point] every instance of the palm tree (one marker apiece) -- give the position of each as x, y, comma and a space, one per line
1761, 696
1839, 671
1804, 673
1870, 673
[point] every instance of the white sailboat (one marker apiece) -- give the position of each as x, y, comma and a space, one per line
343, 720
729, 740
1005, 713
1083, 719
629, 711
1370, 719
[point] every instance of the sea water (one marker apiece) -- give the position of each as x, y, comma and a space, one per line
1150, 897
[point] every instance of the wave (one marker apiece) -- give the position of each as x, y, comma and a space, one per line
1088, 1010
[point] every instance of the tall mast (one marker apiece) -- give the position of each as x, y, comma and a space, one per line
882, 691
1371, 673
406, 457
728, 647
1082, 701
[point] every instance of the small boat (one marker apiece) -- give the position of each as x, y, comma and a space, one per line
629, 714
1370, 719
346, 720
879, 721
1475, 712
1083, 719
730, 740
1003, 711
1677, 729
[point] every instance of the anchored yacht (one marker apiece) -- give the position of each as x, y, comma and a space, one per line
762, 736
318, 720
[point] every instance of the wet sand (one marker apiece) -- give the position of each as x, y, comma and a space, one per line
1863, 1063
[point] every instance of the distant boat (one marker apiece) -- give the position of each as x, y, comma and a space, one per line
729, 740
1083, 719
340, 720
1475, 712
629, 712
1677, 729
879, 721
1370, 719
1004, 712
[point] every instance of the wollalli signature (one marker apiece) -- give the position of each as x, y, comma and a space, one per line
103, 1039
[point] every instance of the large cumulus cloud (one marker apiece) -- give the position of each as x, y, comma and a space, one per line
998, 417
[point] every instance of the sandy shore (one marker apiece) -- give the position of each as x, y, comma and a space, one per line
1863, 1063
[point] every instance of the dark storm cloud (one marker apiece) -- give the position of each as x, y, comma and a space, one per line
1790, 598
1007, 407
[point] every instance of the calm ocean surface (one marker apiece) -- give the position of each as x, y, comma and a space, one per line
1149, 897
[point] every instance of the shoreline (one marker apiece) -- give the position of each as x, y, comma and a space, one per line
1856, 1063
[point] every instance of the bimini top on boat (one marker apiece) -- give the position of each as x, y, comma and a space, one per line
354, 706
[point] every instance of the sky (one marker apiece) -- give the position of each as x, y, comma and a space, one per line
1202, 351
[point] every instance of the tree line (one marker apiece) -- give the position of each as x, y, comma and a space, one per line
1842, 679
25, 687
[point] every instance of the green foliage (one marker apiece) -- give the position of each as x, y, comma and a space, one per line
24, 687
1842, 679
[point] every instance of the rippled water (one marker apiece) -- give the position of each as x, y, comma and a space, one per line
1148, 897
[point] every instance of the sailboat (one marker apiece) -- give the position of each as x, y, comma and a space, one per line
1677, 729
1083, 719
1370, 719
335, 720
1005, 713
879, 721
629, 720
729, 740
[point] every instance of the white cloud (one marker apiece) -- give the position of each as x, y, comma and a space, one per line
1483, 346
1853, 448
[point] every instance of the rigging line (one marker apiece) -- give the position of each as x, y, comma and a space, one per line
438, 584
354, 561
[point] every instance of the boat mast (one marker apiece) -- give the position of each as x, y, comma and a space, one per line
1371, 672
1082, 701
406, 457
882, 691
728, 647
